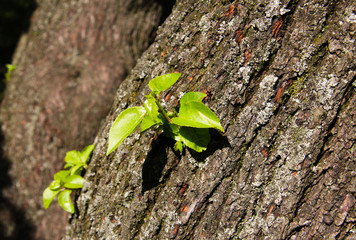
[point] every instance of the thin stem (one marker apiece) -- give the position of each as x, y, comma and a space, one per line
162, 111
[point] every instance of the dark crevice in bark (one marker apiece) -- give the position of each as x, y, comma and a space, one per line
319, 54
330, 11
253, 85
138, 226
294, 231
286, 20
313, 179
239, 225
303, 193
220, 142
197, 216
347, 96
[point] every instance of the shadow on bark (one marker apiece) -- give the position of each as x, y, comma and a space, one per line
155, 162
217, 141
9, 214
167, 6
153, 172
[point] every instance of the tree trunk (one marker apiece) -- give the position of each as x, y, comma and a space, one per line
281, 77
69, 66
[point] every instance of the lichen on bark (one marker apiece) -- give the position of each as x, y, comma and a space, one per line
259, 179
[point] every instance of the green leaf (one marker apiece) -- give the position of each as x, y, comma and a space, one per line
73, 157
125, 124
151, 107
75, 169
147, 123
55, 185
48, 196
198, 115
73, 181
85, 153
68, 165
171, 130
65, 202
163, 82
192, 96
10, 67
195, 138
178, 146
61, 175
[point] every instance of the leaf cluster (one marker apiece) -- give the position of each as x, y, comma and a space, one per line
65, 181
10, 68
188, 126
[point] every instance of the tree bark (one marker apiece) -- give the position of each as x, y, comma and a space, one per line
281, 77
69, 66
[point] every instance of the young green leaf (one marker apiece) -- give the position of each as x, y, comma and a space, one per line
61, 175
48, 196
75, 169
151, 107
65, 201
10, 69
55, 185
72, 158
192, 96
147, 123
178, 146
73, 181
125, 124
198, 115
68, 165
163, 82
195, 138
85, 153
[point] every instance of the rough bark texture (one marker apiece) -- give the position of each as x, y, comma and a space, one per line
69, 66
281, 75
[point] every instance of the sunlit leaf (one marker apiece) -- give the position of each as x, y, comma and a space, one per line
163, 82
75, 169
198, 115
68, 165
61, 175
65, 202
151, 106
125, 124
73, 181
85, 153
192, 96
73, 157
48, 196
147, 123
55, 185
